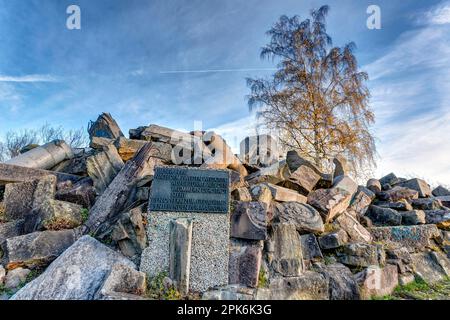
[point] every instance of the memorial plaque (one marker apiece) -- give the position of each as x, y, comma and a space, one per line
190, 190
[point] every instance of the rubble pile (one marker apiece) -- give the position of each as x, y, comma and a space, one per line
73, 222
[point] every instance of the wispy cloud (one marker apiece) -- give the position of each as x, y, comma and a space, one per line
218, 70
29, 78
438, 15
411, 97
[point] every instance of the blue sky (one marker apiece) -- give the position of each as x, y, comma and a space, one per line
123, 60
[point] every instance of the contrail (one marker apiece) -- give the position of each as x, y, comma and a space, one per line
217, 70
28, 78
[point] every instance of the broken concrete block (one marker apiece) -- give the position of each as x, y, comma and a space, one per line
37, 249
103, 168
330, 202
287, 256
245, 262
249, 221
333, 240
44, 157
104, 127
180, 244
304, 217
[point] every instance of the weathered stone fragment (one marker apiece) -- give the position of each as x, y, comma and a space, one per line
341, 166
103, 168
374, 185
230, 292
77, 274
249, 221
261, 193
330, 202
398, 193
241, 194
377, 282
430, 266
440, 191
441, 218
341, 282
81, 193
105, 127
401, 205
136, 133
287, 256
309, 286
304, 217
12, 174
10, 230
245, 262
275, 174
123, 283
445, 201
419, 185
54, 215
100, 142
360, 202
285, 195
18, 199
16, 277
180, 245
426, 204
355, 231
2, 275
345, 183
383, 216
129, 233
310, 249
333, 240
303, 179
127, 148
415, 217
390, 179
361, 255
38, 248
44, 157
414, 238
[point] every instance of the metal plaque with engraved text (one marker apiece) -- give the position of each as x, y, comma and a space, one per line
190, 190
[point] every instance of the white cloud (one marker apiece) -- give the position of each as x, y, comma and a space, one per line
411, 98
438, 15
29, 78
